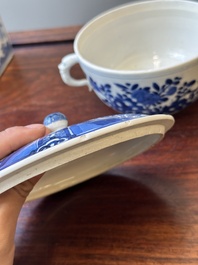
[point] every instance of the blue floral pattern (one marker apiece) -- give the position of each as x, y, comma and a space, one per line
128, 97
6, 52
65, 134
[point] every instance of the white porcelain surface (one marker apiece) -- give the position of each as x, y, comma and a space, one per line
144, 44
143, 36
85, 156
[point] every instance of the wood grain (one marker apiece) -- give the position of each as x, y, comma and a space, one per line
143, 212
44, 36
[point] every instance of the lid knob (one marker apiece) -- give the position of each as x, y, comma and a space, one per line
55, 121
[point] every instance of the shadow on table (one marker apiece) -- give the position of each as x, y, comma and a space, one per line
105, 219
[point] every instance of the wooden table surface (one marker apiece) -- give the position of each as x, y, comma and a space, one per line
143, 212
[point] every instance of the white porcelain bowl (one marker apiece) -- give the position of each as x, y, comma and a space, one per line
140, 57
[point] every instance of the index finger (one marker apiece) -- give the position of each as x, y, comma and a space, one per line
15, 137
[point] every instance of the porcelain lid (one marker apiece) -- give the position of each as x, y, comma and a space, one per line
75, 153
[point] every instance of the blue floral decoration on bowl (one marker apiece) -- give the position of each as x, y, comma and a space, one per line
169, 98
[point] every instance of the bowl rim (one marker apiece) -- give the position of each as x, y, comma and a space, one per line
92, 67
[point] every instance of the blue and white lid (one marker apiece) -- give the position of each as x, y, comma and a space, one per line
75, 153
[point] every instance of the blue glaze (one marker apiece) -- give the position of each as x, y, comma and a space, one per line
154, 99
63, 135
54, 117
5, 48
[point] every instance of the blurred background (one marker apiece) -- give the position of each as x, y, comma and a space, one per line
23, 15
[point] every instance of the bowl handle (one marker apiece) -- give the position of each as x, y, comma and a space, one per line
65, 71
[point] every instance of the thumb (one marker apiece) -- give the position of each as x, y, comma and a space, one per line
11, 201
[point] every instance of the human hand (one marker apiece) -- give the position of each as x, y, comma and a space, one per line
12, 200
